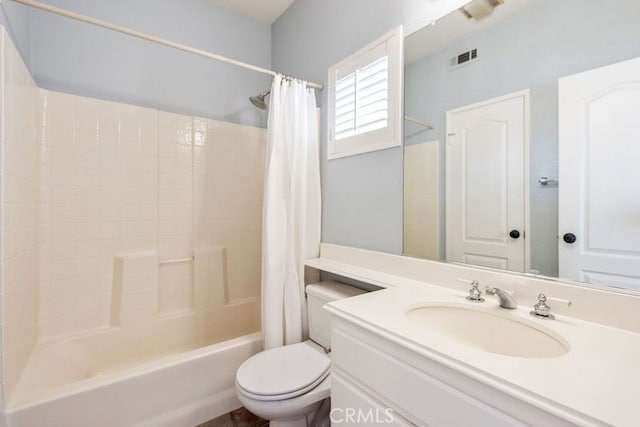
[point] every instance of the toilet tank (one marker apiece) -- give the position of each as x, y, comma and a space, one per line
318, 294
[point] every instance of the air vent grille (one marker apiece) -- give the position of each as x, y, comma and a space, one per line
463, 58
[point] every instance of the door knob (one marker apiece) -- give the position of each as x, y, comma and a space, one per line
514, 234
569, 238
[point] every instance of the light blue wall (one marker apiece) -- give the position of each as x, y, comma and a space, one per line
532, 50
85, 60
362, 195
17, 20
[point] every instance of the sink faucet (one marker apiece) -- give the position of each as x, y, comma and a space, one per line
506, 300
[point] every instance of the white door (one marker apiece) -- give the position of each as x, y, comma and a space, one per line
486, 169
599, 192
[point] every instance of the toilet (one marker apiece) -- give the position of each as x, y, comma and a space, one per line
289, 385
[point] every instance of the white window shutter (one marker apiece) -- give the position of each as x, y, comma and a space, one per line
365, 98
372, 97
345, 110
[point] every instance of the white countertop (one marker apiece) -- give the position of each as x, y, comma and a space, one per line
598, 377
605, 306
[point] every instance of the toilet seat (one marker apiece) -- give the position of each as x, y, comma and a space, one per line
283, 373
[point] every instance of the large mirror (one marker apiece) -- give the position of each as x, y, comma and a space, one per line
522, 144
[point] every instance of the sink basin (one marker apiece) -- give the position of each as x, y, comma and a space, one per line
488, 331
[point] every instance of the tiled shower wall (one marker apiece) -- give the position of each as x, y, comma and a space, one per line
421, 200
91, 187
99, 198
18, 212
119, 179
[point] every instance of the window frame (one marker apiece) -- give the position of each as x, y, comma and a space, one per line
392, 45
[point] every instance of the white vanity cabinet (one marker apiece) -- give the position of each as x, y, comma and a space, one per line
372, 373
470, 364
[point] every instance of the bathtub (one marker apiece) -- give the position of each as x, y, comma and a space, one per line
118, 378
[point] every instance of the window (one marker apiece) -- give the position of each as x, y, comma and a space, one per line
365, 93
362, 100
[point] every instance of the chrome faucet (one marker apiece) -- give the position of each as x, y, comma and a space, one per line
506, 300
475, 294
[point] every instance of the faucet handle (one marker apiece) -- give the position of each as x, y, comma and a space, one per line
475, 294
541, 309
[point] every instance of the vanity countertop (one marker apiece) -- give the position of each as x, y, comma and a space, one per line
604, 306
596, 382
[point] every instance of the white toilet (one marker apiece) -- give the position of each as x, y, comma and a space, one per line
287, 385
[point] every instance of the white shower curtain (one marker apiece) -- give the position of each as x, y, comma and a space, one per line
291, 212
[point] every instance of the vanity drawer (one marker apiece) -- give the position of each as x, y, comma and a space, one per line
415, 395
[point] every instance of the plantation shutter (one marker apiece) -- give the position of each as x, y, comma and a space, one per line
362, 100
365, 98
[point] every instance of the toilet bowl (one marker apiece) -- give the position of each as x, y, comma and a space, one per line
287, 385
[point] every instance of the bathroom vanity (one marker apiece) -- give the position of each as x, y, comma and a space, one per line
421, 349
520, 160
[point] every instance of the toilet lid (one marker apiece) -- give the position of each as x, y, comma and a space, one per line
283, 372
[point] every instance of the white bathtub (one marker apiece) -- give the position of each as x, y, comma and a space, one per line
83, 382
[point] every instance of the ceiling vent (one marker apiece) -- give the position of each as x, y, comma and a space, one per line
463, 58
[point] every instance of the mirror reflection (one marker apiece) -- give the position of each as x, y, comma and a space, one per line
521, 145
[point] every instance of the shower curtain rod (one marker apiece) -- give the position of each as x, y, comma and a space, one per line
148, 37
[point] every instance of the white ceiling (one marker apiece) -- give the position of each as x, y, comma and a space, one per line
265, 11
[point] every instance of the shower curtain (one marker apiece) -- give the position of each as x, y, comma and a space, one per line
291, 212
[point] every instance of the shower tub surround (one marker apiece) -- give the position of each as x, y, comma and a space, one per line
95, 386
131, 243
127, 194
19, 198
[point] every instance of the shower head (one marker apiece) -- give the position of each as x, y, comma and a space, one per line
258, 101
